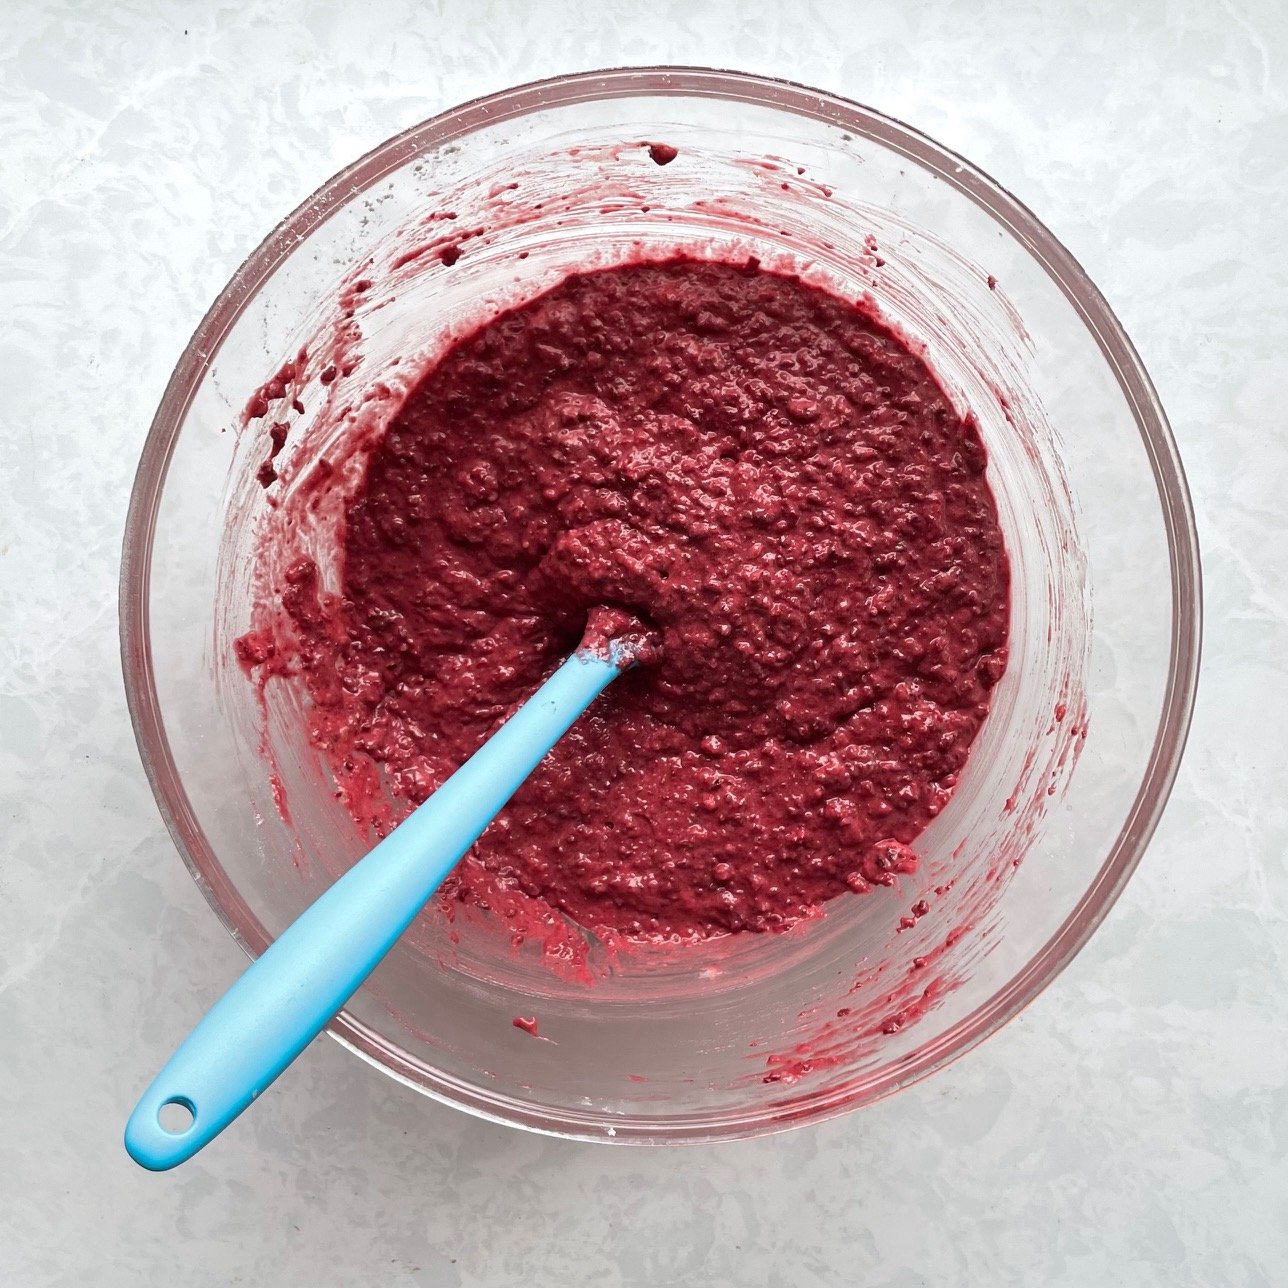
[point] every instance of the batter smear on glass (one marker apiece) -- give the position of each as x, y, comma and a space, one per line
766, 475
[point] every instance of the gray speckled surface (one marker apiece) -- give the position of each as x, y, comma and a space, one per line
1131, 1127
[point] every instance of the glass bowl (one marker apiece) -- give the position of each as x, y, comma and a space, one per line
348, 298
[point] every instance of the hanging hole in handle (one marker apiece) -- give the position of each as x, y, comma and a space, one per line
177, 1115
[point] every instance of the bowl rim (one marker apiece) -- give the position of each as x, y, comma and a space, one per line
1137, 388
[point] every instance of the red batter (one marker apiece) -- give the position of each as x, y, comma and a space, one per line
760, 471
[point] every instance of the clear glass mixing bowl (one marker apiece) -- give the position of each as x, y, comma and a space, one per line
1065, 784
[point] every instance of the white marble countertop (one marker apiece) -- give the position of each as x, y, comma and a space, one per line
1131, 1127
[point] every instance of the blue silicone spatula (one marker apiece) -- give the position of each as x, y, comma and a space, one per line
287, 997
